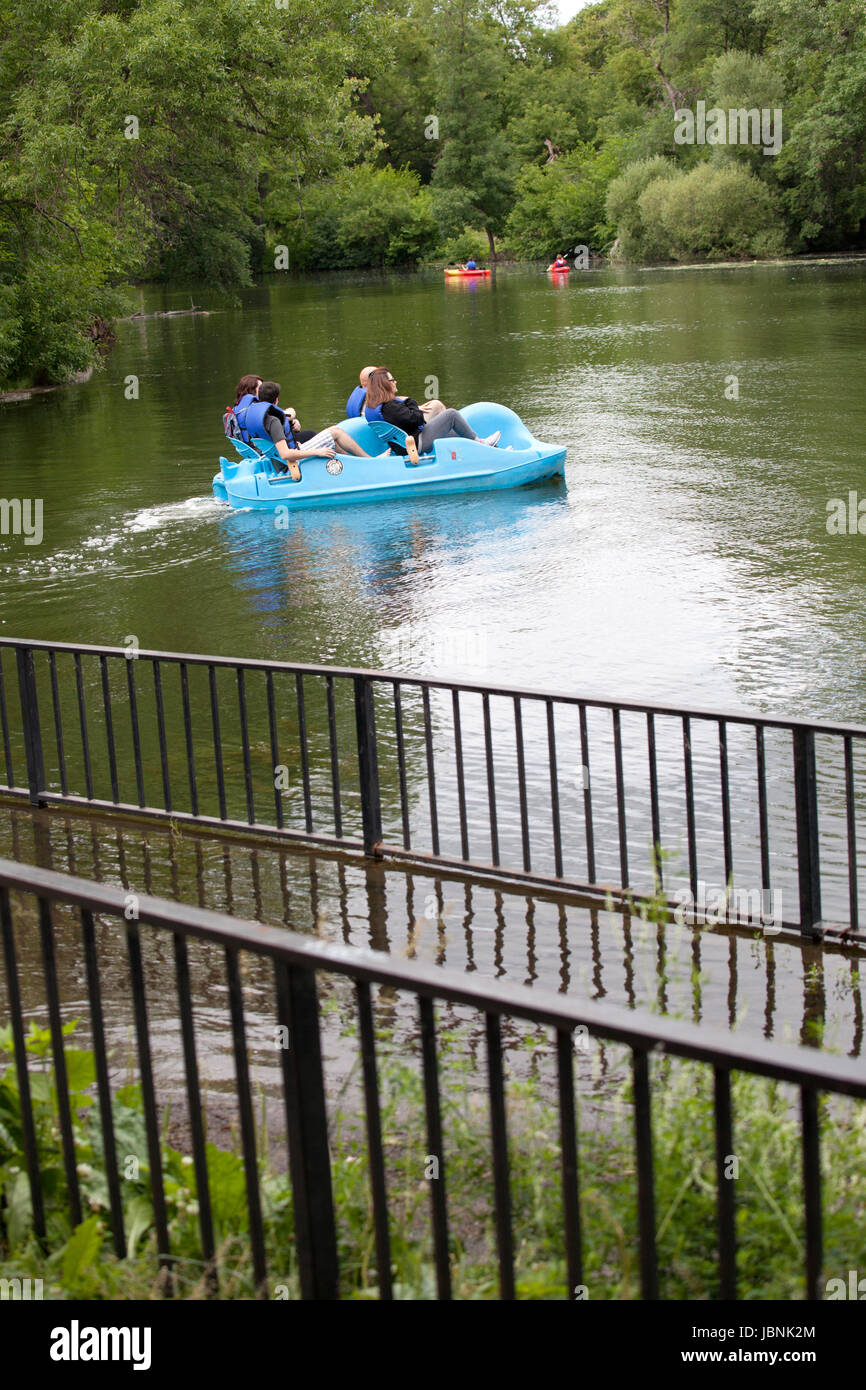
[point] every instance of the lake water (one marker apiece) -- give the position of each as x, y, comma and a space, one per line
709, 415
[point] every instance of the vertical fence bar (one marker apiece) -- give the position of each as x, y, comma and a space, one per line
58, 722
763, 817
368, 766
335, 757
307, 1132
521, 783
812, 1190
726, 803
587, 795
491, 780
725, 1206
109, 728
32, 729
850, 816
645, 1177
569, 1168
61, 1078
401, 766
620, 800
554, 790
133, 716
378, 1188
248, 1126
808, 855
148, 1094
431, 769
16, 1020
103, 1085
654, 797
245, 744
190, 746
217, 740
305, 752
160, 724
4, 725
193, 1095
691, 832
461, 781
275, 748
439, 1205
499, 1137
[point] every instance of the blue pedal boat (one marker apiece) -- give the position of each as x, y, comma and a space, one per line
455, 465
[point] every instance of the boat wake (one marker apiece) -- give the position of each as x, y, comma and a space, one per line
140, 542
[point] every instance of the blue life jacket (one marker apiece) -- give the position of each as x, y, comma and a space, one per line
234, 418
374, 412
253, 424
355, 403
470, 265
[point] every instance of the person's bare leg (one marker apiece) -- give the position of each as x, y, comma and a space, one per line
432, 408
346, 444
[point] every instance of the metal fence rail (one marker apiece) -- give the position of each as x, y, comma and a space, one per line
296, 961
538, 786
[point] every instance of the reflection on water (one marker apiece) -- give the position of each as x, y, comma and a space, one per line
780, 988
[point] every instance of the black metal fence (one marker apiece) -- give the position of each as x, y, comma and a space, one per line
296, 963
757, 813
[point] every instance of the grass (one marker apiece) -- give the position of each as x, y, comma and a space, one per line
766, 1164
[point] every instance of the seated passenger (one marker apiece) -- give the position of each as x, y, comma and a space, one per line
265, 420
355, 403
423, 428
246, 392
560, 263
470, 265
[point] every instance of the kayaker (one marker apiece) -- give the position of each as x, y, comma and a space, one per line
560, 263
404, 412
470, 265
265, 420
355, 403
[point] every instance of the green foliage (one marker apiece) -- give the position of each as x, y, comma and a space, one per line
623, 203
364, 216
316, 128
467, 245
563, 204
716, 211
768, 1189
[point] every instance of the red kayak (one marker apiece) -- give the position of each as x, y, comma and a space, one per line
466, 274
559, 269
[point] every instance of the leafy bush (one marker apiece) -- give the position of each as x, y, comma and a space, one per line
716, 211
469, 244
363, 217
563, 204
623, 206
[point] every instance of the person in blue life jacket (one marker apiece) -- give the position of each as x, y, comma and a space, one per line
246, 392
470, 265
355, 403
263, 419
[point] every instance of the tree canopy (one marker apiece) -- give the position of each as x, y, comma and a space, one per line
213, 141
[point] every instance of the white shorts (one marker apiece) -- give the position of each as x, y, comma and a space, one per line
323, 440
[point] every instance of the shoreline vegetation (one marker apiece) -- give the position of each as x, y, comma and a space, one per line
25, 393
80, 1263
389, 133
